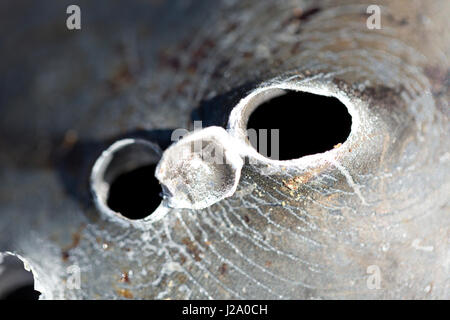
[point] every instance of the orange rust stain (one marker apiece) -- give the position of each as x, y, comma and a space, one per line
76, 237
294, 183
192, 248
125, 293
124, 277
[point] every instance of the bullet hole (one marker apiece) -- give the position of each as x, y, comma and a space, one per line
135, 194
123, 179
308, 124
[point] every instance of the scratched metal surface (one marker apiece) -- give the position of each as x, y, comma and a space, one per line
143, 69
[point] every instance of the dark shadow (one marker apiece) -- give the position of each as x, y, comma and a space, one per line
215, 111
26, 292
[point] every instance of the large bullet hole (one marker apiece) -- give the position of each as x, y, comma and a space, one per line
124, 180
308, 123
16, 283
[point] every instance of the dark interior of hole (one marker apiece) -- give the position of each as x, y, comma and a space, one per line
307, 123
135, 194
25, 292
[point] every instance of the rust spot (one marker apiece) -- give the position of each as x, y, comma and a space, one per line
181, 278
383, 95
76, 237
294, 183
125, 293
120, 78
182, 259
202, 50
268, 264
200, 53
337, 145
124, 277
65, 256
192, 248
223, 268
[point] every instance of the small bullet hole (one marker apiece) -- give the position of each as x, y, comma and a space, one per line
123, 179
308, 123
135, 194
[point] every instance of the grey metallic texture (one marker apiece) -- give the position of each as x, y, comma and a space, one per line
303, 229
